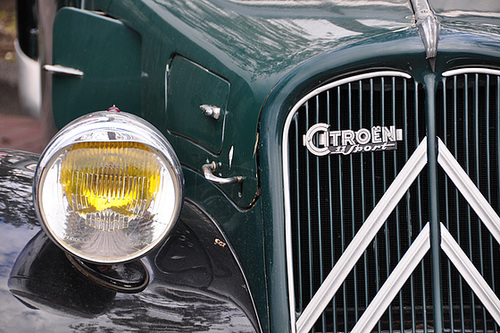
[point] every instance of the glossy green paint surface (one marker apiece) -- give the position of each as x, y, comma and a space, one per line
259, 50
252, 46
108, 54
192, 86
270, 55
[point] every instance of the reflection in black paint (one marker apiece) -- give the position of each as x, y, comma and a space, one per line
16, 173
195, 285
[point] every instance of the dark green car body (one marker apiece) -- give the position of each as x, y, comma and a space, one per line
255, 60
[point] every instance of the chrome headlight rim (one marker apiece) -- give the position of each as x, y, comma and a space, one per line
94, 127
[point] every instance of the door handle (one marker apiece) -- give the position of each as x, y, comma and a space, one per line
208, 172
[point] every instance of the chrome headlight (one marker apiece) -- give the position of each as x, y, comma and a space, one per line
108, 187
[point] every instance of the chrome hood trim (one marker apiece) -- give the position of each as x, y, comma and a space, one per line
428, 27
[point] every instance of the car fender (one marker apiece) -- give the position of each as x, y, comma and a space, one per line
195, 281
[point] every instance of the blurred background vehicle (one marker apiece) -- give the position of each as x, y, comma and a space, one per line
19, 124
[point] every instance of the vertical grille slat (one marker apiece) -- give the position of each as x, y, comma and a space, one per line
407, 196
488, 179
331, 220
457, 214
374, 196
468, 171
298, 213
363, 199
352, 202
398, 218
309, 210
342, 216
320, 238
477, 159
447, 205
422, 319
331, 196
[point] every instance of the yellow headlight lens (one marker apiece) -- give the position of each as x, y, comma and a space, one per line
108, 183
108, 201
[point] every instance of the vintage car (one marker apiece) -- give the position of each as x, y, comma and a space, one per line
257, 165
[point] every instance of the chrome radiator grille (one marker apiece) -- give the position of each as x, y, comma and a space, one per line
331, 196
468, 121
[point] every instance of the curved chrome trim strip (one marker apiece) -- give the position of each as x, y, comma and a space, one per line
334, 84
286, 185
470, 274
394, 282
428, 27
473, 70
469, 190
